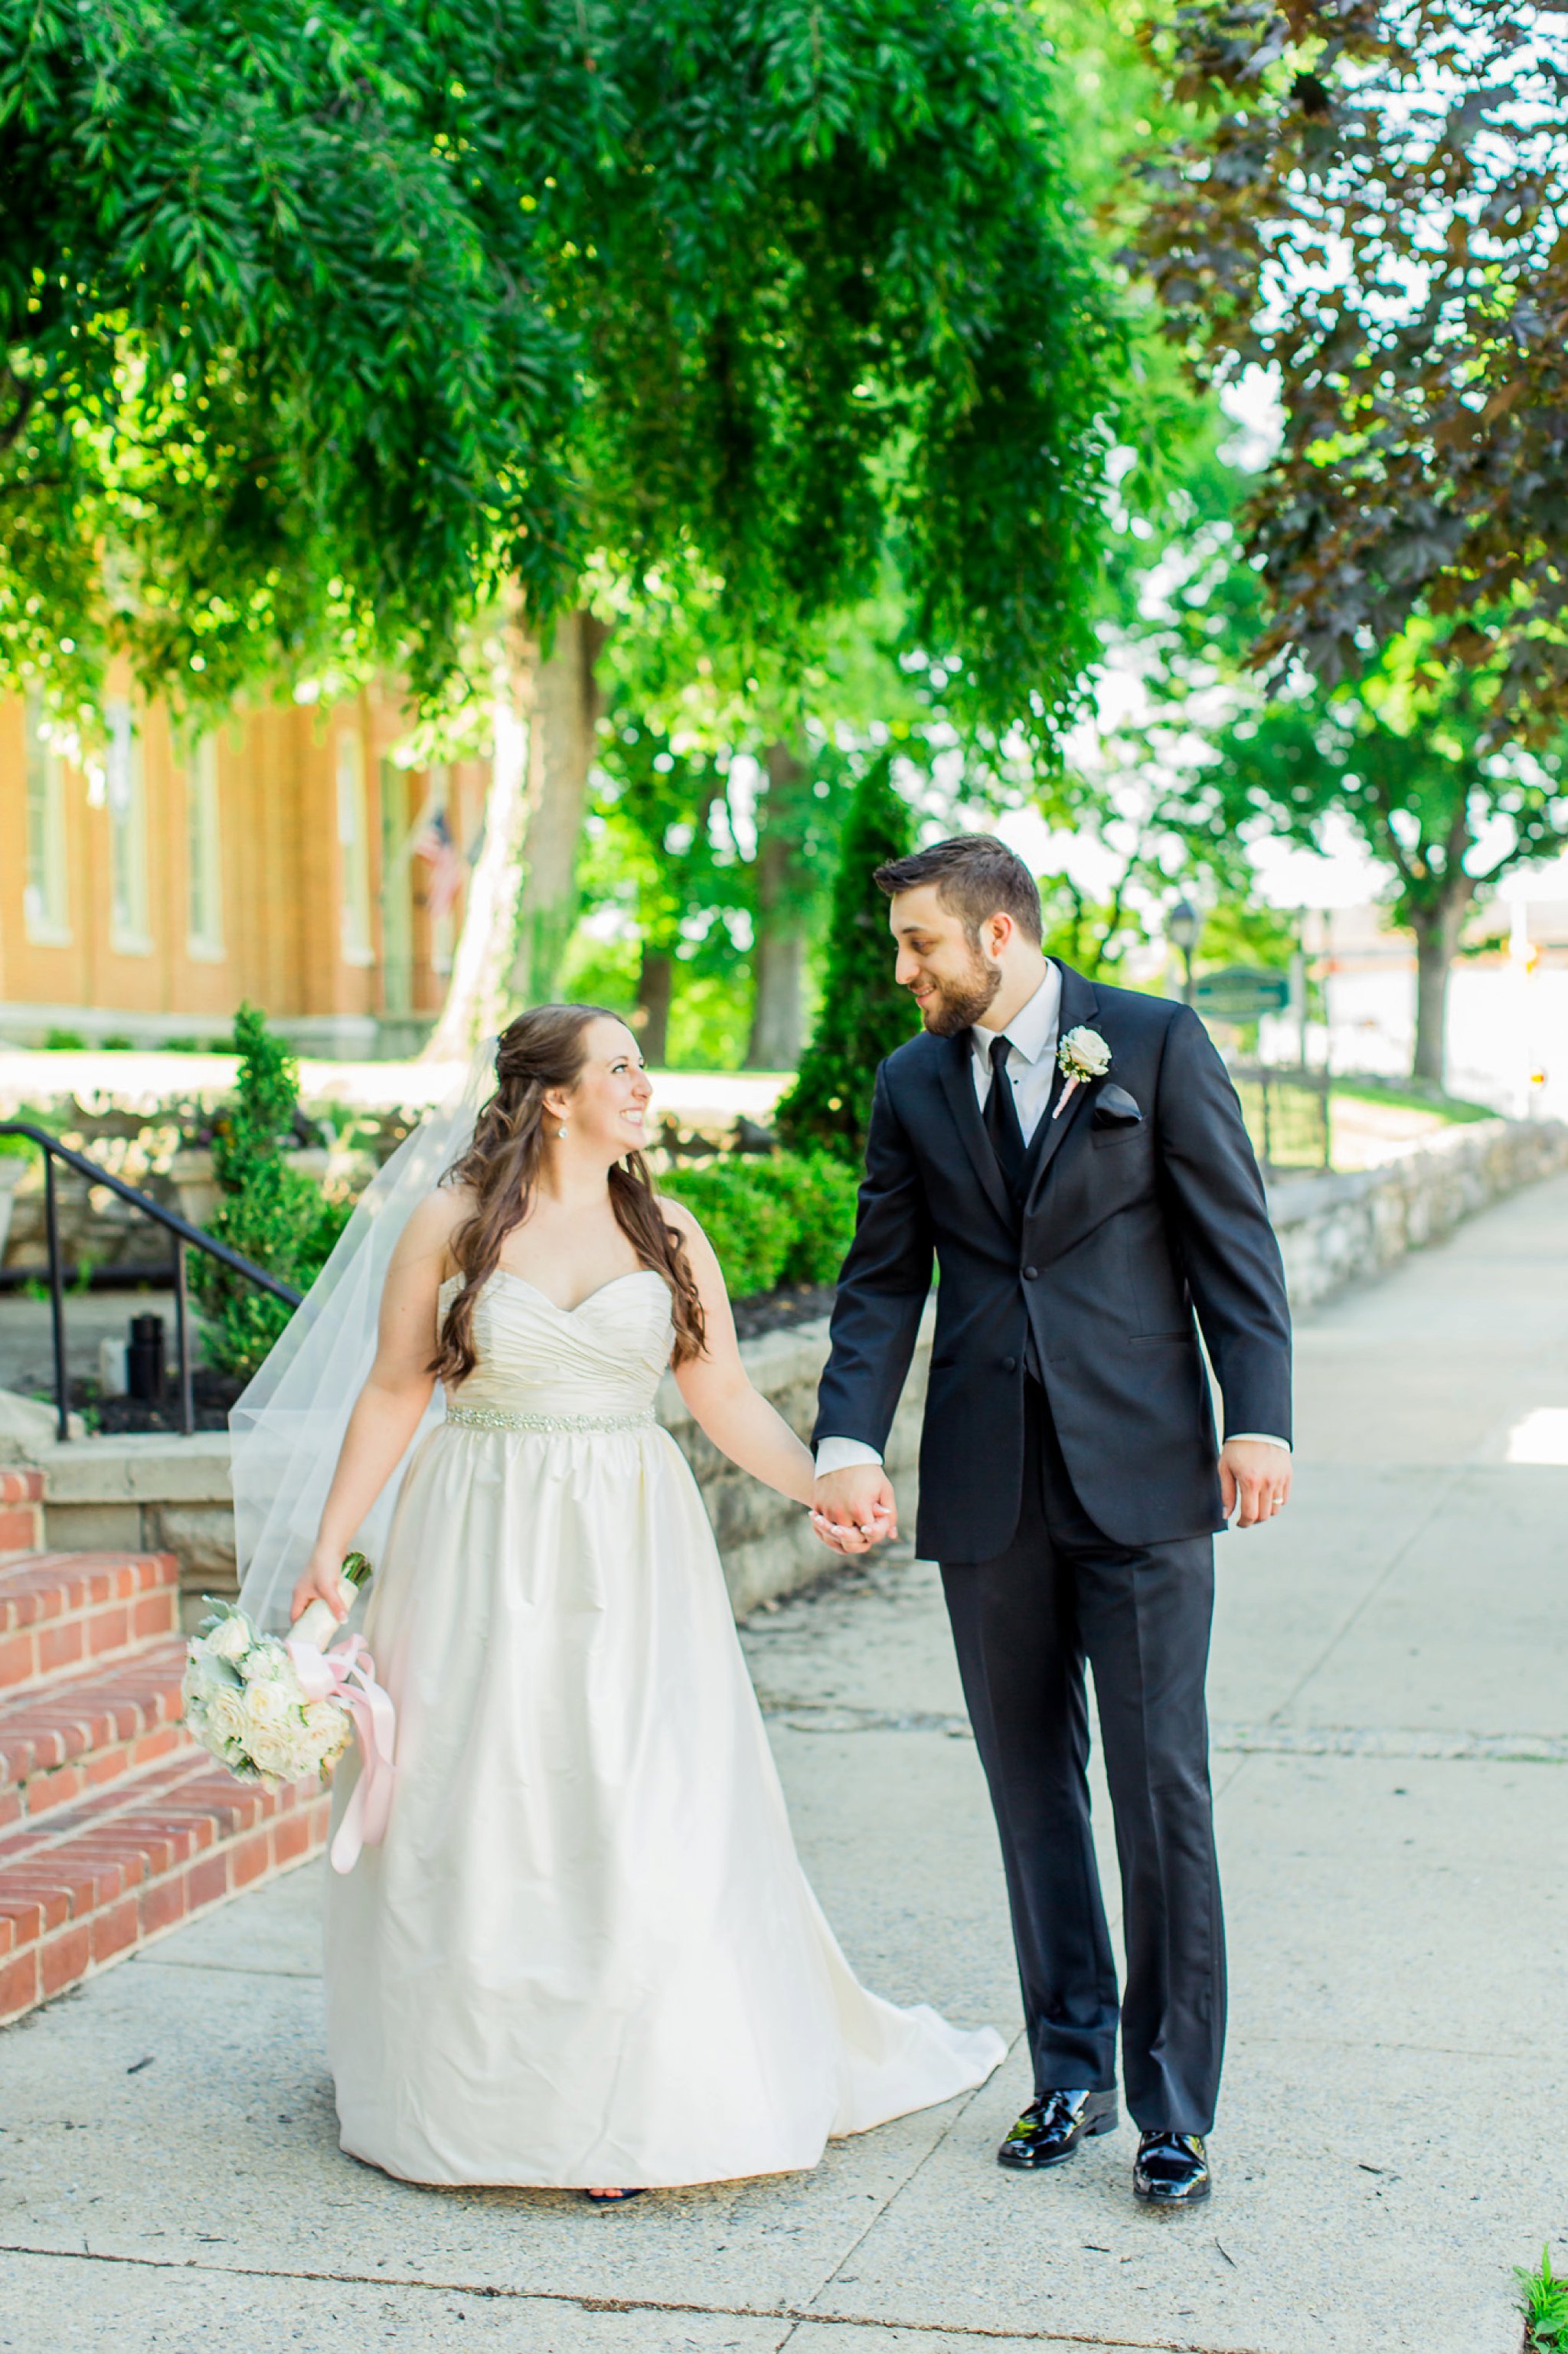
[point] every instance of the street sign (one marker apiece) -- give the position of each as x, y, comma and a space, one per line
1242, 994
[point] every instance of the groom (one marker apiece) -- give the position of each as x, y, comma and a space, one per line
1070, 1478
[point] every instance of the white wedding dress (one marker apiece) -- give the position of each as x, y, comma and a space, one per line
586, 1952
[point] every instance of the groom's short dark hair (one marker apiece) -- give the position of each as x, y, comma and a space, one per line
975, 875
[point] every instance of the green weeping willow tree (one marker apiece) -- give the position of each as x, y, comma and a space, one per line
323, 324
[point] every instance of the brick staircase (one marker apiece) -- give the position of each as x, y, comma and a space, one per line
114, 1825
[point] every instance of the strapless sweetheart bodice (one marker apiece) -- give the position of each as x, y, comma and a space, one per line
604, 1356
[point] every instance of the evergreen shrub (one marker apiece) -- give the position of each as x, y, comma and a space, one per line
751, 1228
272, 1212
864, 1014
785, 1219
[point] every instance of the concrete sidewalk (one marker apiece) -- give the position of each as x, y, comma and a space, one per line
1391, 1707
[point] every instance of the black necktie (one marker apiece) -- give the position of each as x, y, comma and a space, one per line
1002, 1117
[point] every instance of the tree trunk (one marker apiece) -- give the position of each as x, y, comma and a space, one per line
1437, 930
562, 723
477, 996
778, 957
655, 991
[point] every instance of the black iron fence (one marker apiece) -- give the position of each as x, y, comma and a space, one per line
1287, 1113
185, 1237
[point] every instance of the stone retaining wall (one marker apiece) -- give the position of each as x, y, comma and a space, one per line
171, 1495
162, 1494
1337, 1230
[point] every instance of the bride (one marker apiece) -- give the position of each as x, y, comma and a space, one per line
585, 1954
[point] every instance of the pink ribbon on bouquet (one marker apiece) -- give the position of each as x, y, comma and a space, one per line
347, 1674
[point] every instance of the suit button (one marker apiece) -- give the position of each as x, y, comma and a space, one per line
1029, 1273
1010, 1364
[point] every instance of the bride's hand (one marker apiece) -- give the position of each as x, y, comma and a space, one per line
321, 1581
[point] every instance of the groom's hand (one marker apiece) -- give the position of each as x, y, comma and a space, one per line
1254, 1476
855, 1508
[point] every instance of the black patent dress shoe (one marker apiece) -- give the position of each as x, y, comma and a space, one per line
1053, 2124
1172, 2169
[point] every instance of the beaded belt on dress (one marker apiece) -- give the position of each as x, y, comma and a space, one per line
500, 1418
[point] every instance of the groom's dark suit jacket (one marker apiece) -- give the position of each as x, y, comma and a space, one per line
1128, 1226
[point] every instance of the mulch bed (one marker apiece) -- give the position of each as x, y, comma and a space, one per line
113, 1417
775, 1312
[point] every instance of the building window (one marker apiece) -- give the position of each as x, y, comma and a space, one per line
46, 897
354, 849
126, 791
203, 869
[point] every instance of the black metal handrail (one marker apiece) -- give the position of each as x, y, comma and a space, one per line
1273, 1095
183, 1233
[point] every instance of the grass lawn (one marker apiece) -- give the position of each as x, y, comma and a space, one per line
1411, 1098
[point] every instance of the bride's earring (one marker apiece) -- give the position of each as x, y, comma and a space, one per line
562, 1130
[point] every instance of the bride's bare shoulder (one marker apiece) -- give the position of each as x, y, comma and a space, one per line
433, 1223
676, 1215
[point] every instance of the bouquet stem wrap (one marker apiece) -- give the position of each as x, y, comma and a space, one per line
347, 1674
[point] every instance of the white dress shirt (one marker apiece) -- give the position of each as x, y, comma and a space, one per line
1031, 1066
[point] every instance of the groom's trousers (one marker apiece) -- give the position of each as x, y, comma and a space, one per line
1024, 1624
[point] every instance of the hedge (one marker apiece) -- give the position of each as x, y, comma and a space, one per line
789, 1218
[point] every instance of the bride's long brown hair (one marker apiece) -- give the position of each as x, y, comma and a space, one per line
546, 1047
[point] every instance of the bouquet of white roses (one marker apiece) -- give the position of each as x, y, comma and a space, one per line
244, 1701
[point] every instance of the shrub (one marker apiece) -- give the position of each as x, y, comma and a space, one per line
270, 1212
819, 1192
64, 1042
786, 1219
864, 1014
751, 1229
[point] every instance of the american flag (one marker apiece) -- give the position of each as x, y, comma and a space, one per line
434, 843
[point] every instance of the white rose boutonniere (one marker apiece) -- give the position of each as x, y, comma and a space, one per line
1083, 1054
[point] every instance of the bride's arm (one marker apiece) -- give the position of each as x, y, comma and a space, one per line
736, 1417
395, 1394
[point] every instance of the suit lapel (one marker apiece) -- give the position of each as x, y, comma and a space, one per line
958, 1085
1079, 1004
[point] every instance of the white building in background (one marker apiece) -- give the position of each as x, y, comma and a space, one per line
1508, 1007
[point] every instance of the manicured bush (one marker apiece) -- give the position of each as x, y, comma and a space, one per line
751, 1229
864, 1014
788, 1218
270, 1212
819, 1192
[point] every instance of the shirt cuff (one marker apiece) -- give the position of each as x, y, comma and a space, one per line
1262, 1437
838, 1454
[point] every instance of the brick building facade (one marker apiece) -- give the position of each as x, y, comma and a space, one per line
146, 893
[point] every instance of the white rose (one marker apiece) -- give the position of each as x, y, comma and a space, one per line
282, 1755
266, 1708
226, 1715
269, 1663
230, 1639
1086, 1051
328, 1728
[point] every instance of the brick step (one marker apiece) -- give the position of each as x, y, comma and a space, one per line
58, 1741
21, 1512
62, 1612
85, 1884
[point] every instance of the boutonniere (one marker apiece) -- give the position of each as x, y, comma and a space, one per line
1083, 1054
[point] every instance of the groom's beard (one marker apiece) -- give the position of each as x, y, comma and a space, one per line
955, 1005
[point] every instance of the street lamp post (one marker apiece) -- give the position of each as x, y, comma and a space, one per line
1184, 927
